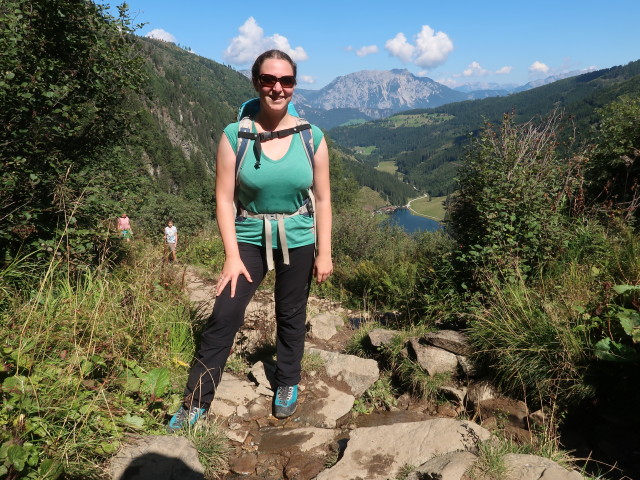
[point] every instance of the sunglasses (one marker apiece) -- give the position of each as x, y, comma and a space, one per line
266, 80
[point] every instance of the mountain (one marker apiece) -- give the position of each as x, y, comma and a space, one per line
372, 93
426, 144
550, 79
187, 102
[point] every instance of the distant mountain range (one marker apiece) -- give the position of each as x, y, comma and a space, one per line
373, 94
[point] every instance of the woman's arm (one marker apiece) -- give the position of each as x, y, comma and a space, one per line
322, 190
225, 188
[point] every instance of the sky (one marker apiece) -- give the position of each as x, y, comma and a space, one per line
453, 42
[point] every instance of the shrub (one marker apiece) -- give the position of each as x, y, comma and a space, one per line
507, 215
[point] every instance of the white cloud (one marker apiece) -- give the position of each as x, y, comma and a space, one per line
538, 67
449, 82
504, 70
399, 47
306, 79
475, 70
160, 34
367, 50
251, 42
430, 50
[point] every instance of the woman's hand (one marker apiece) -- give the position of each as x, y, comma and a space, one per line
231, 271
322, 268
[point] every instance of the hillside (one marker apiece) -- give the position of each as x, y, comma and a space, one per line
189, 99
425, 144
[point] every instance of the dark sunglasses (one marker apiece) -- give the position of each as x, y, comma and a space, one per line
266, 80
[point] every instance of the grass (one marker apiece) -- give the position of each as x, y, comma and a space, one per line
212, 446
87, 359
431, 207
490, 464
536, 344
369, 200
388, 166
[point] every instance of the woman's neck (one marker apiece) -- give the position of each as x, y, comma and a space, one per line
271, 123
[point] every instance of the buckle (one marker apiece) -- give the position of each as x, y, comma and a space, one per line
271, 216
264, 136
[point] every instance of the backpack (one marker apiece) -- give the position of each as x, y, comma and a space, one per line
245, 137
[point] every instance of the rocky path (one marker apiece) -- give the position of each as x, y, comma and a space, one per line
325, 439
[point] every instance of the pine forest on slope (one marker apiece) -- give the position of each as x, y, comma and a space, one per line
426, 144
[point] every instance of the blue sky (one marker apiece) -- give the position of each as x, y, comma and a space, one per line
453, 42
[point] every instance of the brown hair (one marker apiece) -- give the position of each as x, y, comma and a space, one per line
277, 54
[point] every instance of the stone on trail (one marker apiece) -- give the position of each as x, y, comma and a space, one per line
305, 439
531, 467
325, 325
358, 373
433, 359
166, 457
378, 453
449, 340
231, 393
323, 406
381, 336
450, 466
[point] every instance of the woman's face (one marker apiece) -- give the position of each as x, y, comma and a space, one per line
275, 97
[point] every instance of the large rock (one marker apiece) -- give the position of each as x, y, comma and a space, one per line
324, 406
505, 409
325, 325
358, 373
450, 466
381, 336
531, 467
433, 359
378, 453
449, 340
157, 458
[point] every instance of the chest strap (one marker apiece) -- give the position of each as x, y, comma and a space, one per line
307, 208
258, 138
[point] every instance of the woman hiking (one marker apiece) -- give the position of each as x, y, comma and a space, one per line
266, 220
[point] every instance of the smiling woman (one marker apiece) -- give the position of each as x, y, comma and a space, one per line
273, 212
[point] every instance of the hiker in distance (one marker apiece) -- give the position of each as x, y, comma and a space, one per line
270, 166
171, 239
124, 227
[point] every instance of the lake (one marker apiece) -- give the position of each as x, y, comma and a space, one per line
413, 223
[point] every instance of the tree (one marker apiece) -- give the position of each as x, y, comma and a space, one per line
66, 74
613, 174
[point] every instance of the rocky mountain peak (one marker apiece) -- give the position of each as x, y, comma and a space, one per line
378, 93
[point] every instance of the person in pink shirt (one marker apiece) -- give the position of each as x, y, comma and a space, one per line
124, 227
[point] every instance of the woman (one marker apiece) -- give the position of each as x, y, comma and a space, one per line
278, 181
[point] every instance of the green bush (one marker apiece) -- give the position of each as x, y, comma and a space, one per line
508, 212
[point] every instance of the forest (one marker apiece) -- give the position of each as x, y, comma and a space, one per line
538, 263
428, 152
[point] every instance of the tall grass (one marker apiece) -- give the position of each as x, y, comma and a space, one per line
536, 345
86, 359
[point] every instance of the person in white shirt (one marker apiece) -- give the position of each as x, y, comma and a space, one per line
171, 238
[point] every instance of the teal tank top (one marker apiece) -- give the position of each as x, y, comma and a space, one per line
278, 186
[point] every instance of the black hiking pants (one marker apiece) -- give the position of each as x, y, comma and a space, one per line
291, 293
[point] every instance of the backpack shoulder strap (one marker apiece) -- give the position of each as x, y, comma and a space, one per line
306, 135
244, 137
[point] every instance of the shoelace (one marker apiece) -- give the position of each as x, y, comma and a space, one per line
285, 397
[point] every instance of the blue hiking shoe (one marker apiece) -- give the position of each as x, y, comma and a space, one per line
285, 401
183, 418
